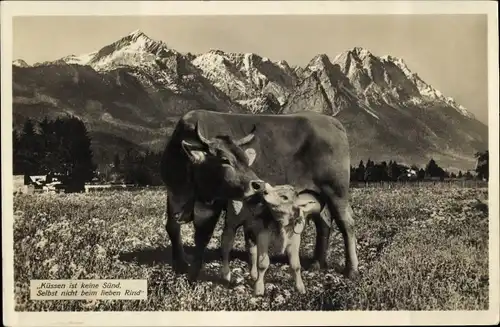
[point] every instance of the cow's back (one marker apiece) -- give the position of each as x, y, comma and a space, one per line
291, 148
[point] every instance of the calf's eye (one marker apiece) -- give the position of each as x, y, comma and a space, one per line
284, 197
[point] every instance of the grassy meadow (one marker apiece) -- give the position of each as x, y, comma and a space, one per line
419, 248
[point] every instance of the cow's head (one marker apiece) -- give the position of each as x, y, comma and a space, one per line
221, 167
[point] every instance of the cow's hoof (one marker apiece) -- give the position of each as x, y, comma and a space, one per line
181, 267
226, 276
317, 265
193, 276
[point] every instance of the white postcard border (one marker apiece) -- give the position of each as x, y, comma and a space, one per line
134, 8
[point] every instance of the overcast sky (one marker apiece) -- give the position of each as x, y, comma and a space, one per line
449, 52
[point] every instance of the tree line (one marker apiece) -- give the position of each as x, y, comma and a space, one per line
59, 147
392, 171
133, 167
62, 148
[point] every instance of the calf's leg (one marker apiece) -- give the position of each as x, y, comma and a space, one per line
262, 260
292, 251
251, 248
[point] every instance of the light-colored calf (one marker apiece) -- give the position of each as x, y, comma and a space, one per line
290, 210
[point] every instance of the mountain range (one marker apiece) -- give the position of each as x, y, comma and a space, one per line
131, 93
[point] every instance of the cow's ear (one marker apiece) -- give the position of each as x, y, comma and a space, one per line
237, 206
251, 154
196, 152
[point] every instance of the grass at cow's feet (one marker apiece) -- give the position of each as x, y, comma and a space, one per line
418, 248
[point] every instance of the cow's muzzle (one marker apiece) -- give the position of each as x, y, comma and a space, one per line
258, 185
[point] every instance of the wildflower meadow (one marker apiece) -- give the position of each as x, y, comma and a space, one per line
419, 248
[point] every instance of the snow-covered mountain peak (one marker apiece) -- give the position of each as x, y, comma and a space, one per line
83, 59
137, 33
319, 62
20, 63
360, 52
427, 91
135, 49
398, 62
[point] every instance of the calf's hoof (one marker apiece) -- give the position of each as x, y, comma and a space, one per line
300, 288
258, 289
352, 274
253, 274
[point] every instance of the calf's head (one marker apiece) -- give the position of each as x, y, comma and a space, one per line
288, 206
221, 167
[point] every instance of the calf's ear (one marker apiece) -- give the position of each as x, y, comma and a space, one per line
196, 152
251, 154
306, 207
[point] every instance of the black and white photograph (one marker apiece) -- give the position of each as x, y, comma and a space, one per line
205, 158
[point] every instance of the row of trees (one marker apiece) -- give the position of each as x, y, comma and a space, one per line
482, 167
392, 171
63, 147
58, 147
133, 168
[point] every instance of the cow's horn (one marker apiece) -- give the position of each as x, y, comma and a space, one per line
201, 137
247, 138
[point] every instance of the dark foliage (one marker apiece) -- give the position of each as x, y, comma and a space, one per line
60, 146
392, 171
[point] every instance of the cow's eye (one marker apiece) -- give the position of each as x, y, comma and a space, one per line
225, 161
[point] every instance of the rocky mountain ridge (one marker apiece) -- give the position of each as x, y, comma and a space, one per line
132, 91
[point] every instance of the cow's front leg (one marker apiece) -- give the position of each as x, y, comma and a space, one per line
227, 241
179, 262
203, 230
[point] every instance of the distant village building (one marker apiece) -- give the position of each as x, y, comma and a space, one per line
46, 183
408, 174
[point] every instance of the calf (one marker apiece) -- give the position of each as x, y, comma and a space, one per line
281, 207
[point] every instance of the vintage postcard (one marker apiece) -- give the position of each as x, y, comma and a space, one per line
250, 163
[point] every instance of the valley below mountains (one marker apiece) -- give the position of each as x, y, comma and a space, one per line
131, 93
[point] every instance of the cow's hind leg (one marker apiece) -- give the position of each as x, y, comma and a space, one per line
179, 262
322, 242
343, 216
203, 230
